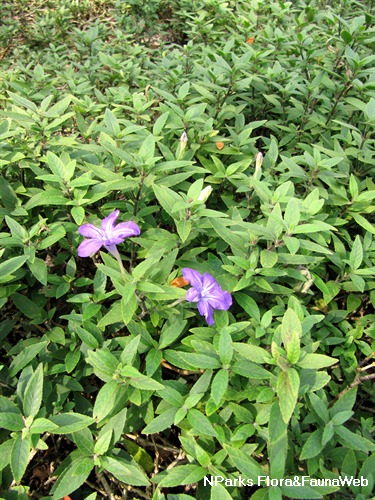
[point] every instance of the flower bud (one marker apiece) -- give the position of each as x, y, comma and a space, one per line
258, 161
204, 194
183, 140
182, 145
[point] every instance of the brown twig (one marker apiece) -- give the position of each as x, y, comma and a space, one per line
357, 381
106, 486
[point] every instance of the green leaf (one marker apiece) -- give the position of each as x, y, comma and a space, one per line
129, 303
346, 36
252, 352
147, 150
46, 198
315, 227
219, 492
84, 441
112, 395
41, 425
166, 197
344, 403
292, 244
190, 360
26, 306
86, 336
354, 441
341, 417
72, 477
112, 123
180, 475
300, 492
39, 270
356, 255
33, 393
320, 407
136, 379
316, 361
22, 101
27, 355
56, 233
184, 229
268, 258
250, 370
291, 331
59, 108
16, 229
10, 266
70, 422
235, 240
313, 446
104, 363
249, 305
278, 441
171, 333
20, 456
225, 348
114, 315
161, 422
287, 391
219, 385
116, 424
200, 423
244, 463
11, 421
71, 360
361, 221
103, 442
292, 214
125, 472
5, 453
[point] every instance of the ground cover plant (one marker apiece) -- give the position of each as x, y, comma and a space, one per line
187, 249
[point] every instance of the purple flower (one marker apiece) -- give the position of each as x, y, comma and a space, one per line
207, 292
107, 235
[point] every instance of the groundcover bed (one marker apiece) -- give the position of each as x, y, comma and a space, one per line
187, 249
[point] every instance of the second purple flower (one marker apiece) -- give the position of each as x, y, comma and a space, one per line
107, 235
207, 292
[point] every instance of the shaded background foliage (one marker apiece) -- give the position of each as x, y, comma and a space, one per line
112, 386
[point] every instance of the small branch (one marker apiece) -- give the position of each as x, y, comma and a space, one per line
368, 367
364, 361
138, 492
142, 441
177, 370
94, 487
106, 486
357, 381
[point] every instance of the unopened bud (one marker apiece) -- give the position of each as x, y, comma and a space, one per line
182, 145
204, 194
258, 161
183, 140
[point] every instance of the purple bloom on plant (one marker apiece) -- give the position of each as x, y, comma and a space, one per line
207, 292
107, 235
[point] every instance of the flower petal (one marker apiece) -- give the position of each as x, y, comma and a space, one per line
209, 282
89, 247
126, 229
192, 295
219, 299
90, 231
108, 223
207, 311
193, 277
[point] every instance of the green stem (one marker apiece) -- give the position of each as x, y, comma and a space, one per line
121, 265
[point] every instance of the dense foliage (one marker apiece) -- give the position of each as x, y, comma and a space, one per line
112, 384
